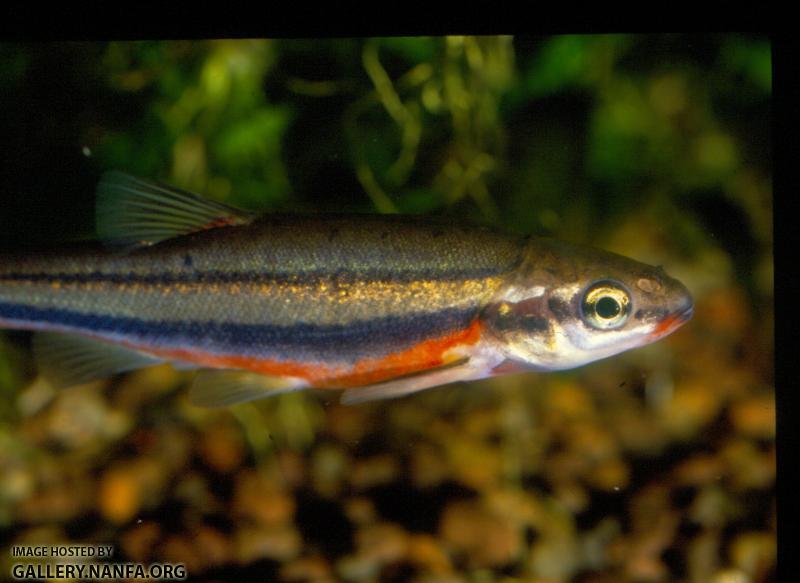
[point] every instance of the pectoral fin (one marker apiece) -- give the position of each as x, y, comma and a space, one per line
220, 388
462, 370
68, 360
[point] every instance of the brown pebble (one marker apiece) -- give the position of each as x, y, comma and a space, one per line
554, 558
572, 495
748, 467
120, 496
383, 543
348, 424
53, 504
731, 576
280, 543
314, 569
755, 416
329, 468
292, 468
703, 555
138, 541
215, 547
374, 471
426, 552
474, 463
568, 401
142, 387
713, 507
360, 510
699, 470
755, 553
610, 476
518, 507
222, 447
258, 498
81, 416
428, 468
193, 489
482, 537
178, 548
357, 568
691, 408
127, 487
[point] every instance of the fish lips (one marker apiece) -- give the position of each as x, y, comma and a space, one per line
673, 321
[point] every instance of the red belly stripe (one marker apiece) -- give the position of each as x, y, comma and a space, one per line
423, 356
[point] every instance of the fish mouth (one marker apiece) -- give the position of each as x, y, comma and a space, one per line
674, 321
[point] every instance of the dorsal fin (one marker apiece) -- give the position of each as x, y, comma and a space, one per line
132, 212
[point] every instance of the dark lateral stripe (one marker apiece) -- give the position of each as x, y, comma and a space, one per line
302, 341
244, 277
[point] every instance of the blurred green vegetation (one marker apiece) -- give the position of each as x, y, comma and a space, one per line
570, 129
654, 146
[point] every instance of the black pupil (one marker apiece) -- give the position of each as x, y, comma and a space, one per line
607, 307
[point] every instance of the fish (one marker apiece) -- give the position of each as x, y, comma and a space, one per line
379, 306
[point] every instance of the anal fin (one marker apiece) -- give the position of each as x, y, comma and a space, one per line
220, 387
68, 360
462, 370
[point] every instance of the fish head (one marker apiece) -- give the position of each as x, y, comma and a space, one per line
567, 305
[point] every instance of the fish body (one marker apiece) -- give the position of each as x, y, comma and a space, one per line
379, 305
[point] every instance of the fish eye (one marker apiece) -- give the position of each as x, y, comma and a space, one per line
606, 305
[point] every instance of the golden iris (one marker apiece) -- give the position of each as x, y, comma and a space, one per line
606, 305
